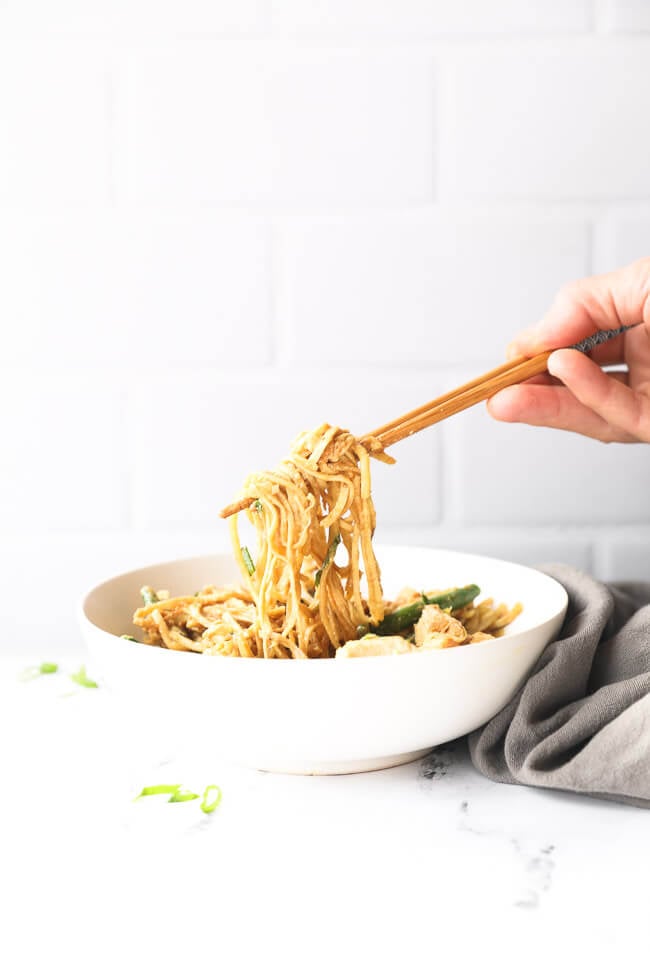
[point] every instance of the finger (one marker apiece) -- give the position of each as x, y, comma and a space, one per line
552, 406
610, 353
545, 379
580, 309
619, 405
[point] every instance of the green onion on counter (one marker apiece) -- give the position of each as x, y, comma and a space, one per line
211, 798
82, 678
179, 793
45, 668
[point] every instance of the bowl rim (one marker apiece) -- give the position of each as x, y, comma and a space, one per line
465, 649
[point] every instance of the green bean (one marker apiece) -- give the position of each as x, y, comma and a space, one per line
407, 616
248, 562
331, 552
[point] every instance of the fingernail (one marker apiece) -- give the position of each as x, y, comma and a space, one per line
552, 364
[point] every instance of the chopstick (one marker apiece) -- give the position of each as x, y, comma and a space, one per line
481, 388
473, 392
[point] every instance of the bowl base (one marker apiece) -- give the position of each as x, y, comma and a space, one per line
340, 768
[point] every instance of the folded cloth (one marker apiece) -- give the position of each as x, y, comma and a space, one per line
581, 722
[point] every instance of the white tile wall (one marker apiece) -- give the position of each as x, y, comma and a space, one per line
64, 462
413, 18
512, 474
327, 127
116, 287
459, 285
266, 415
221, 222
54, 132
125, 18
627, 558
537, 122
622, 235
625, 15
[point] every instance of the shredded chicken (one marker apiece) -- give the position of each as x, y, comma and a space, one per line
380, 646
438, 629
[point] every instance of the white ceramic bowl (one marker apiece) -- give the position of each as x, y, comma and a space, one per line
322, 716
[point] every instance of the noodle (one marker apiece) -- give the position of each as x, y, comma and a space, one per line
302, 597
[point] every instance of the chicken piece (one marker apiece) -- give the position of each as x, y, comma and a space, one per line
375, 646
480, 637
438, 629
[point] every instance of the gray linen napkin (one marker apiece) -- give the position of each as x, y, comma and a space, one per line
581, 722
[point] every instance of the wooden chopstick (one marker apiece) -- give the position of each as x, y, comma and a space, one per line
481, 388
461, 398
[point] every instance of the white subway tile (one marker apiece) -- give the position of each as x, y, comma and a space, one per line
430, 17
511, 474
538, 123
621, 239
628, 559
441, 289
124, 18
196, 288
54, 125
231, 427
43, 578
134, 288
324, 127
624, 15
356, 128
520, 544
193, 124
64, 459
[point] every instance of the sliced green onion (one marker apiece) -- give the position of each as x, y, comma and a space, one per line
158, 790
127, 636
211, 798
248, 562
258, 506
45, 668
149, 595
331, 552
183, 795
82, 678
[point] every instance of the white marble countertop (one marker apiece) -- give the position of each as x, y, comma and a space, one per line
408, 870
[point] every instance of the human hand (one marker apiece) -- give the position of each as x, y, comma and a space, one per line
578, 395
